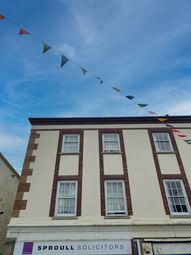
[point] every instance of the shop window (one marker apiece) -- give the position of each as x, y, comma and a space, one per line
71, 143
177, 198
66, 199
115, 199
162, 142
111, 143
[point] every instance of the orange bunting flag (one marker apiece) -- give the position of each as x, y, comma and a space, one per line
182, 135
23, 32
2, 17
162, 119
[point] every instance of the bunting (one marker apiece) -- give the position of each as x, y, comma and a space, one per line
182, 135
142, 105
46, 47
152, 113
162, 119
130, 97
22, 31
175, 130
100, 80
64, 60
116, 89
170, 126
2, 17
83, 70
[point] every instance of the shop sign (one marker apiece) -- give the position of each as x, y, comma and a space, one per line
73, 247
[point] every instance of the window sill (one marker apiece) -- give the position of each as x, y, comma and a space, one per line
64, 218
117, 217
165, 152
180, 216
69, 153
113, 152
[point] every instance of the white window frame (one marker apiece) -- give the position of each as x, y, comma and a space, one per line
57, 198
184, 196
117, 213
118, 143
63, 143
156, 142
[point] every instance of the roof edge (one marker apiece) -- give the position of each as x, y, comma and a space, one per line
9, 165
108, 120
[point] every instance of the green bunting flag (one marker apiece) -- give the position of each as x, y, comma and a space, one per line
116, 89
22, 31
142, 105
2, 17
46, 47
84, 71
168, 125
188, 141
64, 60
130, 97
100, 80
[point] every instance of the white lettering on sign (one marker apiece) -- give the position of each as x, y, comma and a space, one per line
73, 247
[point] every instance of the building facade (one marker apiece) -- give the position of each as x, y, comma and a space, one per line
106, 186
9, 180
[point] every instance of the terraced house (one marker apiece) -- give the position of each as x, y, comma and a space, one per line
115, 185
9, 180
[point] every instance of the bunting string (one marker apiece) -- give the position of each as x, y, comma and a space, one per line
64, 60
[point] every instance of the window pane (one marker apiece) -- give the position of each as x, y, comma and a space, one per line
66, 200
115, 200
162, 142
71, 143
111, 142
176, 195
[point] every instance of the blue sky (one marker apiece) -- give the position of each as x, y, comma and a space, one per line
142, 47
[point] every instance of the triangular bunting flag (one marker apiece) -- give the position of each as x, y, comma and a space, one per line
142, 105
162, 119
23, 32
46, 47
64, 60
100, 80
116, 89
170, 126
130, 97
2, 17
175, 130
188, 141
152, 113
182, 135
84, 71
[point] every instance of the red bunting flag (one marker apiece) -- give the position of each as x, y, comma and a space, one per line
2, 17
175, 130
182, 135
22, 31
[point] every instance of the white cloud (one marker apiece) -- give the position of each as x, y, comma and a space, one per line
180, 108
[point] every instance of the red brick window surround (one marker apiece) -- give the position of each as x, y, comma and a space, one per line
118, 142
74, 146
162, 177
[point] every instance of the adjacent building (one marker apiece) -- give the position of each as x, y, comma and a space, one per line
114, 185
9, 180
